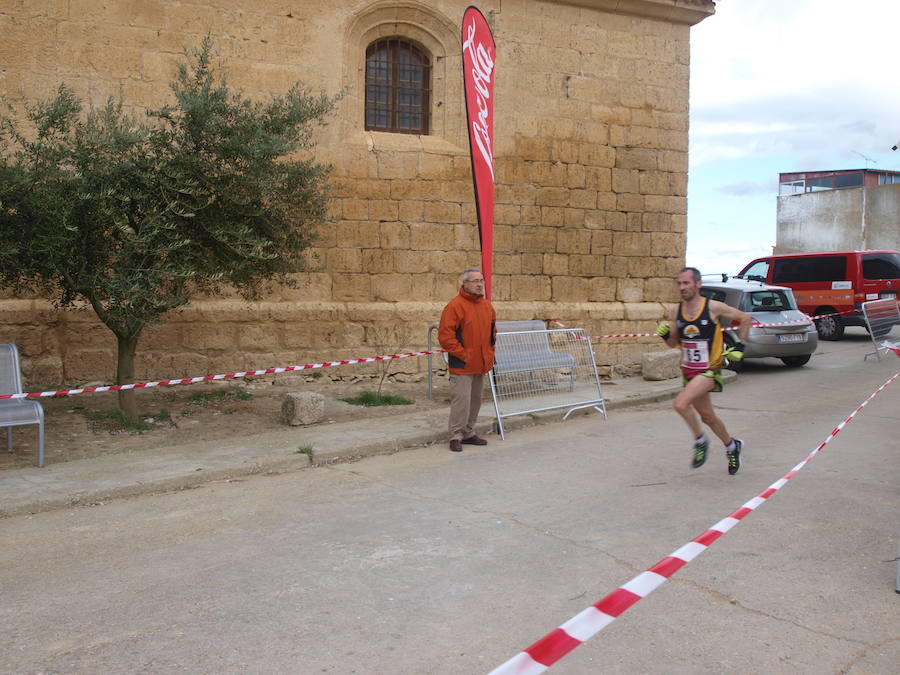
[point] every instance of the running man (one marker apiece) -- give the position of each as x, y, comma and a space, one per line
695, 327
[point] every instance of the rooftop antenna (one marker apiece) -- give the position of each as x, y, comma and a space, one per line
868, 159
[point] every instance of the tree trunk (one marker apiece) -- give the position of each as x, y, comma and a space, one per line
127, 346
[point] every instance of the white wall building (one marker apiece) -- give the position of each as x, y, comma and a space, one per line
838, 210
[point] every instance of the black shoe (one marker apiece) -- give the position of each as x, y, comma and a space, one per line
474, 440
455, 446
734, 457
700, 448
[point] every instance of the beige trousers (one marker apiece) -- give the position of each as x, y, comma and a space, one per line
465, 402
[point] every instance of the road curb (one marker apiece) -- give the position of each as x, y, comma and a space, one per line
281, 456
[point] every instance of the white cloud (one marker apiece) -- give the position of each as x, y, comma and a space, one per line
801, 77
742, 128
722, 257
746, 188
780, 86
763, 46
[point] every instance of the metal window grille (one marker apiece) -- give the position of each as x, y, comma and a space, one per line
881, 317
398, 87
538, 370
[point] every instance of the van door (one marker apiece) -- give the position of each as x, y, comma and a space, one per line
880, 274
819, 281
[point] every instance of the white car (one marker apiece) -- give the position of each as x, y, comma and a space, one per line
779, 329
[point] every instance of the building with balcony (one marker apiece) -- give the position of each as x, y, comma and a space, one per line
838, 210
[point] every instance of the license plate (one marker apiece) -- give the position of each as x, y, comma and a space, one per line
792, 337
886, 294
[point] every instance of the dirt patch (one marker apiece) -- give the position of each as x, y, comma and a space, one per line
85, 425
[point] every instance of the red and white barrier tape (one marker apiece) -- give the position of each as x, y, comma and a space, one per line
209, 378
270, 371
892, 346
756, 325
579, 629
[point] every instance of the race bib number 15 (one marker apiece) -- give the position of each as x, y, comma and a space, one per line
695, 355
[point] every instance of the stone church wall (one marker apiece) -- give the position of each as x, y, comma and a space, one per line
591, 171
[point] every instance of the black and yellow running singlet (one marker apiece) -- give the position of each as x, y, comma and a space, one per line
701, 342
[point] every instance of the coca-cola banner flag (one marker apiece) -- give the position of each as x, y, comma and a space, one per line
478, 52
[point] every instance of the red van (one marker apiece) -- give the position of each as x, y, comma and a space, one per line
831, 282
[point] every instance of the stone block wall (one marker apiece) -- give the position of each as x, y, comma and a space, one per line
591, 171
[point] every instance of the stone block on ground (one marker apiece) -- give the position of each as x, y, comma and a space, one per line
306, 407
661, 365
291, 380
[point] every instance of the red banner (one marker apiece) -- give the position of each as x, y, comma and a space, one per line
478, 54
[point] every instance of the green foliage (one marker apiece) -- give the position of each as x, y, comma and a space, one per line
371, 399
115, 421
213, 192
230, 394
304, 450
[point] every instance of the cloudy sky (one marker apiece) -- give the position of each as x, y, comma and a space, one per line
778, 86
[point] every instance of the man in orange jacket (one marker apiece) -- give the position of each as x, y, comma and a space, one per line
467, 331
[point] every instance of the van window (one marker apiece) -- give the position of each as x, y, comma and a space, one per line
805, 269
757, 271
881, 265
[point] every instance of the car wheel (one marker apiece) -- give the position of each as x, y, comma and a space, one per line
829, 327
736, 366
795, 361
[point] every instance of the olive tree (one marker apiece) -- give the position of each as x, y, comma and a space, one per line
212, 193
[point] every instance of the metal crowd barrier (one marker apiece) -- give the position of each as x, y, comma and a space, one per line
538, 369
881, 316
429, 347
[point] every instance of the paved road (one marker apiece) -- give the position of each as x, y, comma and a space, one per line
431, 562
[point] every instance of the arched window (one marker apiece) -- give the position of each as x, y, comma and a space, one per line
398, 87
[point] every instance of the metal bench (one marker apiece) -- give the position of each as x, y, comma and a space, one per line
527, 350
15, 412
533, 364
530, 354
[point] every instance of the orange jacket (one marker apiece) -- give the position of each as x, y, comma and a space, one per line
468, 332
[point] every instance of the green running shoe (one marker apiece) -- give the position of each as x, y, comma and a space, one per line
734, 457
700, 447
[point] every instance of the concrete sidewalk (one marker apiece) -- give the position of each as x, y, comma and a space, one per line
89, 481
